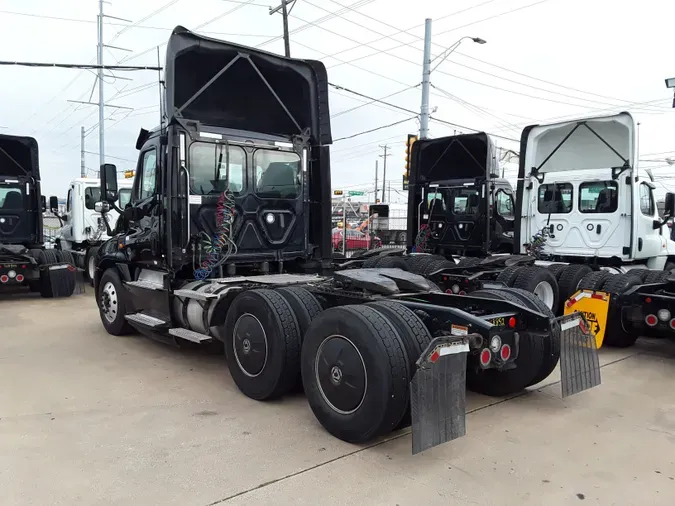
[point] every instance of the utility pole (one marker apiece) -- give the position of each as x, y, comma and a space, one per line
83, 171
376, 162
426, 73
284, 14
101, 99
384, 169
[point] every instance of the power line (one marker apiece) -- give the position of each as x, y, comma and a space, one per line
375, 129
82, 66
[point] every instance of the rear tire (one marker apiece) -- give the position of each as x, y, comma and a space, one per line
656, 277
469, 262
509, 275
557, 270
90, 264
414, 334
359, 344
569, 281
112, 305
496, 383
541, 282
262, 344
594, 280
390, 262
45, 258
615, 335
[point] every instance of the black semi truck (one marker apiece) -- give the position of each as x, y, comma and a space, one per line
24, 261
227, 240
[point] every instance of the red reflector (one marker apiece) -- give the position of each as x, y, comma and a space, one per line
505, 352
672, 324
19, 277
434, 356
512, 322
462, 292
23, 266
485, 357
4, 278
648, 300
651, 320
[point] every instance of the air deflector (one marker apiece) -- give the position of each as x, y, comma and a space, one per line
232, 86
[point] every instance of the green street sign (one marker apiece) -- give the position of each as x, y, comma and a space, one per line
354, 193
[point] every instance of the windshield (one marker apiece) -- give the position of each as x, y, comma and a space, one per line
210, 164
277, 174
11, 196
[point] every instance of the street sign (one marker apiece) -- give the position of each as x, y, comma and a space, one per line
355, 193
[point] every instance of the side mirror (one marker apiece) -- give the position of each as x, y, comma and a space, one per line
670, 204
53, 204
102, 207
43, 203
109, 183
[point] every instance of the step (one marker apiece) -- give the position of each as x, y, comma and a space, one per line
192, 294
144, 319
148, 285
190, 335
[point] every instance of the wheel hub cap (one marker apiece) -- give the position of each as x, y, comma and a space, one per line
340, 374
250, 345
109, 302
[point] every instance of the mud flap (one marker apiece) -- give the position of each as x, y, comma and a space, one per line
579, 360
62, 280
438, 393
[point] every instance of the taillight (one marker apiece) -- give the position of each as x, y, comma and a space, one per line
513, 322
19, 278
505, 352
672, 324
462, 292
485, 357
651, 320
4, 278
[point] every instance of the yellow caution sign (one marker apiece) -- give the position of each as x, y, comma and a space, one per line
594, 306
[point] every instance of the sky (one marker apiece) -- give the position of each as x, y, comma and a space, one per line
544, 61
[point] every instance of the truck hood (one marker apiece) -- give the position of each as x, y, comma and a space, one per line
598, 142
224, 84
19, 157
456, 157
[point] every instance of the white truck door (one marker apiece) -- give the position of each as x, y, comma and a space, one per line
67, 229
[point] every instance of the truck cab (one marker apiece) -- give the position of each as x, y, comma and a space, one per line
457, 200
580, 189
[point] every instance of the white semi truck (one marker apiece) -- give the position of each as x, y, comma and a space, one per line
82, 228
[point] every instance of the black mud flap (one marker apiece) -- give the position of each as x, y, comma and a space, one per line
579, 360
438, 393
62, 280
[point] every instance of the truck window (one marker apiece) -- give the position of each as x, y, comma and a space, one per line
504, 204
209, 164
646, 200
91, 196
124, 197
277, 174
465, 200
436, 202
69, 200
555, 198
148, 179
598, 197
11, 197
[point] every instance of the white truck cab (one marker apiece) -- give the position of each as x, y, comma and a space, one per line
579, 183
82, 228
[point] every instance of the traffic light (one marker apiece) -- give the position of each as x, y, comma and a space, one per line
338, 192
412, 138
128, 174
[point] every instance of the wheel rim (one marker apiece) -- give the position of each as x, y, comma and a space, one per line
109, 302
340, 374
544, 291
250, 345
91, 267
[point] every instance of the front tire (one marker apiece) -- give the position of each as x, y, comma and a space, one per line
111, 303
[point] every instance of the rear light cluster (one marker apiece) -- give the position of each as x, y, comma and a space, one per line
496, 348
662, 315
12, 274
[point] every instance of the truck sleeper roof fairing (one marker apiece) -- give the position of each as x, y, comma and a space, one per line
224, 84
19, 157
597, 142
466, 156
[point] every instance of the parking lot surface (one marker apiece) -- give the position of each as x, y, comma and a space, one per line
88, 418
